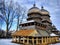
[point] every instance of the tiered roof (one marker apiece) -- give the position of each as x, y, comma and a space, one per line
26, 32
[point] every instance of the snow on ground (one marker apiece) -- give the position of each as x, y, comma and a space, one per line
7, 42
55, 44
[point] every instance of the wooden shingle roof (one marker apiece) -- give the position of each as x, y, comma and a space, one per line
24, 33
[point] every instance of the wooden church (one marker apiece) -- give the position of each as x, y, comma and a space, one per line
37, 29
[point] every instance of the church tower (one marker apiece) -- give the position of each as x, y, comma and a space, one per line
38, 19
34, 20
46, 19
34, 14
45, 16
34, 31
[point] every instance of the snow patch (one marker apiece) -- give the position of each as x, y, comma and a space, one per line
28, 21
52, 34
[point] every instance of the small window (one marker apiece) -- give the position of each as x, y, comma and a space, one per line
32, 23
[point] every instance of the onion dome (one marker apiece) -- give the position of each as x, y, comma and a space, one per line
43, 11
34, 9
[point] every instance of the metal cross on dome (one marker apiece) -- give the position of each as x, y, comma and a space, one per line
34, 3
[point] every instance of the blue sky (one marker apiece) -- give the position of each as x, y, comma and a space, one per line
53, 6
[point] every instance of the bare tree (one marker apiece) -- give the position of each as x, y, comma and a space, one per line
8, 15
10, 11
1, 8
20, 15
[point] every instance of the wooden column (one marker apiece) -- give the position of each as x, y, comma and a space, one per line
49, 39
37, 40
52, 39
42, 40
13, 38
27, 40
23, 40
45, 40
57, 38
33, 40
16, 39
19, 38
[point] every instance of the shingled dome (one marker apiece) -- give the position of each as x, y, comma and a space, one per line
43, 11
34, 9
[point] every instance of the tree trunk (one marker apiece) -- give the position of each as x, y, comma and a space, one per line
17, 24
7, 30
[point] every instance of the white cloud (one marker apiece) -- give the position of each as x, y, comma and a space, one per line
53, 6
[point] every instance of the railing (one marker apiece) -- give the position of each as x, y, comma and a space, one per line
37, 40
28, 27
